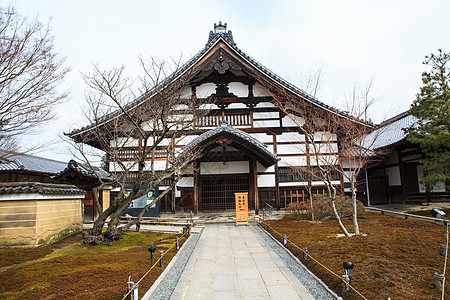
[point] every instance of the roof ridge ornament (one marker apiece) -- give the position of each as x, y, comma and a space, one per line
220, 30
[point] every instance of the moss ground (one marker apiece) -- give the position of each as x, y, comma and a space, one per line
79, 271
396, 258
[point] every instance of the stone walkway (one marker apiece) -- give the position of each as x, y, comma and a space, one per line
232, 262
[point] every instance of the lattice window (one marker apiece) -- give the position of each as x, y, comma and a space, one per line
288, 174
232, 119
132, 153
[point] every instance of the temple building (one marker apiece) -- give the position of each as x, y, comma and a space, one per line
248, 139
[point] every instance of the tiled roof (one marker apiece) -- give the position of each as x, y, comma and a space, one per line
86, 171
39, 188
214, 38
31, 163
224, 127
391, 131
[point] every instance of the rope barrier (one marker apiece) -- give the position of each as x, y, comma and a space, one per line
161, 256
319, 263
445, 264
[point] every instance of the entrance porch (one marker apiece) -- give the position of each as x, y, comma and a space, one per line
229, 161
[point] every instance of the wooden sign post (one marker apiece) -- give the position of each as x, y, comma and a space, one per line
241, 208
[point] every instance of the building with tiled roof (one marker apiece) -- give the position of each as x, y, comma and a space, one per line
23, 173
20, 167
394, 177
260, 150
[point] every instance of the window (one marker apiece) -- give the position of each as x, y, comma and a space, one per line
289, 174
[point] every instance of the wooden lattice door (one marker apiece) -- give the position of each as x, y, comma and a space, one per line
218, 193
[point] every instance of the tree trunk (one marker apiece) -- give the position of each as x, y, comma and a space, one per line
338, 219
332, 196
354, 205
311, 200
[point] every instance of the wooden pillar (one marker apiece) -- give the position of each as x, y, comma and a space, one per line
400, 166
254, 184
173, 198
196, 186
277, 179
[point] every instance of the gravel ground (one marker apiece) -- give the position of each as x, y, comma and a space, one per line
167, 285
309, 280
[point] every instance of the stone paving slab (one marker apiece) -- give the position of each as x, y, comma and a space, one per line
232, 262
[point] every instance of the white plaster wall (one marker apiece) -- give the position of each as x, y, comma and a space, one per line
393, 174
292, 120
325, 136
124, 142
347, 175
236, 105
185, 139
291, 149
208, 106
159, 165
439, 187
262, 137
186, 182
115, 167
270, 148
148, 125
291, 137
323, 160
180, 118
289, 161
319, 183
205, 90
231, 167
266, 115
323, 148
181, 107
186, 93
299, 183
260, 91
266, 180
259, 124
238, 88
261, 168
265, 104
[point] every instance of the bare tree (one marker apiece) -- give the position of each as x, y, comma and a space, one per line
356, 146
30, 74
137, 133
323, 128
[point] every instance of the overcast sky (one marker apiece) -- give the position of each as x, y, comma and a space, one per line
354, 42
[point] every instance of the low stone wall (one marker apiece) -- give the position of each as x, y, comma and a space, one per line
37, 217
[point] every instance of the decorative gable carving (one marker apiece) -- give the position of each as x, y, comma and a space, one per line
221, 62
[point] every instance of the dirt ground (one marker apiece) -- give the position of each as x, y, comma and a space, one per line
395, 258
72, 270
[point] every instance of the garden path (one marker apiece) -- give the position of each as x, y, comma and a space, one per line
232, 262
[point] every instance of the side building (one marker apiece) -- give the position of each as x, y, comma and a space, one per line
394, 178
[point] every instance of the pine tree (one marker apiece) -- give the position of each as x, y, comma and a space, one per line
432, 109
